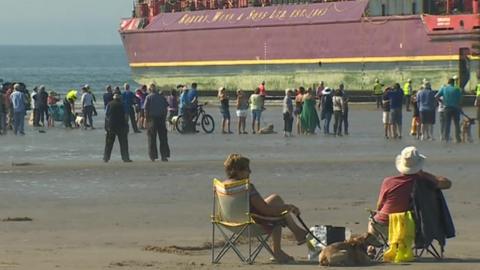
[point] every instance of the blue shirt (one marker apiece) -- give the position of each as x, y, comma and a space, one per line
18, 101
451, 96
184, 101
426, 100
127, 100
192, 94
396, 98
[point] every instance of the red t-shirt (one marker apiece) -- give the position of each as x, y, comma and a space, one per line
395, 195
263, 91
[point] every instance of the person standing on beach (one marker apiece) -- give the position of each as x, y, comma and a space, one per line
337, 112
426, 106
224, 110
396, 99
387, 127
318, 94
3, 113
41, 106
128, 99
327, 109
309, 116
407, 93
141, 94
87, 107
378, 93
451, 98
156, 107
19, 110
69, 108
341, 87
298, 109
256, 106
287, 113
242, 111
116, 125
477, 104
107, 96
33, 101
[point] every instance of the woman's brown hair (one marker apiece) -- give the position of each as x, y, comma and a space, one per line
234, 164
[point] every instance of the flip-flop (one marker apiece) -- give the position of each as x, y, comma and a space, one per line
290, 260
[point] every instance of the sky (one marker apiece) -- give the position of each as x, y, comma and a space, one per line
62, 22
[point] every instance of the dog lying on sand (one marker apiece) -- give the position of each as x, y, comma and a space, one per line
352, 252
267, 130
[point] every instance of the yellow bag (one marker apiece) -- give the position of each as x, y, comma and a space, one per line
401, 236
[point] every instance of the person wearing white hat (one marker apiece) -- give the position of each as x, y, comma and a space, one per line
395, 192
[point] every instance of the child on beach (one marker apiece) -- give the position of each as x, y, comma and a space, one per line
225, 110
242, 110
237, 167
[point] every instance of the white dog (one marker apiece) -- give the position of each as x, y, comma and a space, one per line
79, 121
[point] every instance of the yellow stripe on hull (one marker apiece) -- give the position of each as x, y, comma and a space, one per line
302, 61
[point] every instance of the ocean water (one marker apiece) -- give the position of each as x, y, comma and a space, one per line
61, 68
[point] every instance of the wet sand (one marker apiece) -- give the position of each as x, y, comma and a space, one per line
91, 215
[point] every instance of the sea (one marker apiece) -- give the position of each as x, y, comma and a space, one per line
61, 68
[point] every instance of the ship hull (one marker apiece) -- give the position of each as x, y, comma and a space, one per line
350, 49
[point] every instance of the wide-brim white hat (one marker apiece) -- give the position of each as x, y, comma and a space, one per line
410, 161
327, 91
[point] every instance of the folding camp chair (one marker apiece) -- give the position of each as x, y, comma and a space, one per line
232, 217
382, 238
433, 220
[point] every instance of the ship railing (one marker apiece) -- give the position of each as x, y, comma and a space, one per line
167, 6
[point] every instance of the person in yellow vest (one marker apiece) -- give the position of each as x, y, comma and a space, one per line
378, 92
477, 104
407, 93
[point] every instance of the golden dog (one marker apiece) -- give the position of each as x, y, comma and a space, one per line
351, 252
466, 128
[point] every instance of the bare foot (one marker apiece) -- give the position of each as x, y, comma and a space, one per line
281, 257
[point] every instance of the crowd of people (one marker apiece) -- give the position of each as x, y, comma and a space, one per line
447, 101
299, 104
303, 108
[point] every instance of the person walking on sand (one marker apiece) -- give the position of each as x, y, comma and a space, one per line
116, 125
345, 108
237, 167
242, 111
256, 106
18, 102
69, 108
287, 114
156, 107
224, 110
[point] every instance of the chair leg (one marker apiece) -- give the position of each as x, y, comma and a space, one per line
230, 244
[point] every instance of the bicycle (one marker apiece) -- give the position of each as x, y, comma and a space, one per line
206, 121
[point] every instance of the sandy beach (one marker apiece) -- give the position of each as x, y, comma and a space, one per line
90, 215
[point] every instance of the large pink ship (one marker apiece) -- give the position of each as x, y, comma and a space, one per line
238, 44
